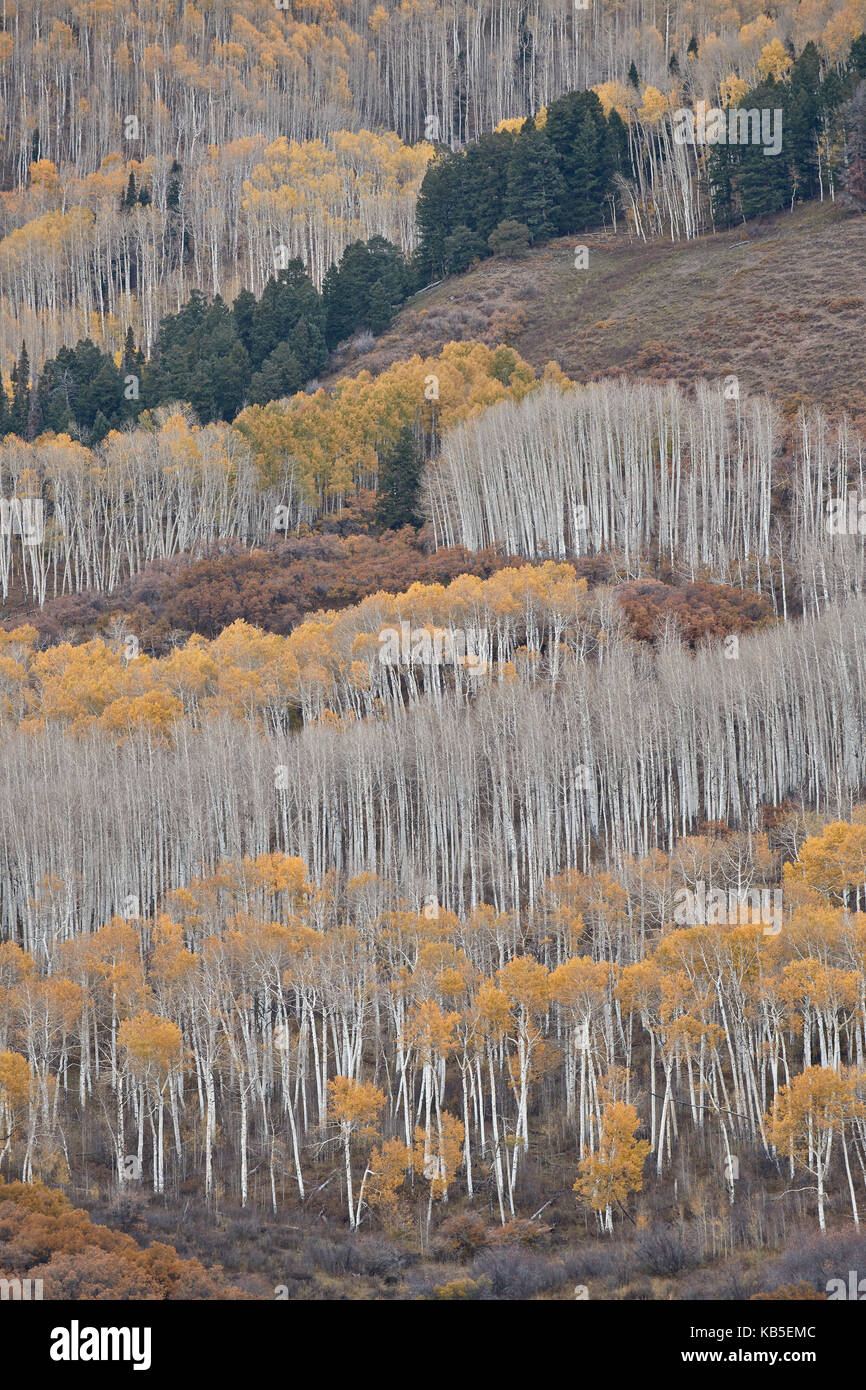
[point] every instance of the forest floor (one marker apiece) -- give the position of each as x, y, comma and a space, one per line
309, 1254
779, 303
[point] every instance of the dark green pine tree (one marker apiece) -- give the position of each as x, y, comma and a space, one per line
857, 57
166, 377
288, 298
130, 197
106, 398
509, 239
720, 167
229, 366
307, 342
133, 357
343, 297
400, 465
346, 290
200, 390
49, 405
380, 306
485, 172
99, 429
76, 386
462, 249
802, 121
578, 132
243, 313
617, 145
534, 186
763, 181
633, 77
674, 66
832, 92
593, 172
438, 211
280, 375
199, 358
390, 268
227, 360
131, 366
19, 414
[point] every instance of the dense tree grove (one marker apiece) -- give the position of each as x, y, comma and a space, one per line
80, 260
433, 831
261, 1022
537, 468
566, 169
110, 224
216, 359
363, 291
211, 77
714, 483
745, 183
554, 180
172, 487
533, 721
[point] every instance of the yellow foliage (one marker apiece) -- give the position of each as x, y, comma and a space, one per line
153, 1045
732, 90
355, 1104
615, 96
774, 60
15, 1080
654, 106
608, 1177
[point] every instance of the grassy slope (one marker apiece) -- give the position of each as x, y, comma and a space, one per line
781, 303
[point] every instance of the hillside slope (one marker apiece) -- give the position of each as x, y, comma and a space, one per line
781, 303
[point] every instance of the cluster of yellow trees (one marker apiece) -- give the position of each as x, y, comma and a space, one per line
112, 687
170, 487
335, 434
339, 663
358, 662
314, 197
75, 263
262, 1025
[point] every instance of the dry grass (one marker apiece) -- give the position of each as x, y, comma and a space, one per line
781, 304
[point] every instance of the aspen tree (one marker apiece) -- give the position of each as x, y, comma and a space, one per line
808, 1114
153, 1048
616, 1170
355, 1106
